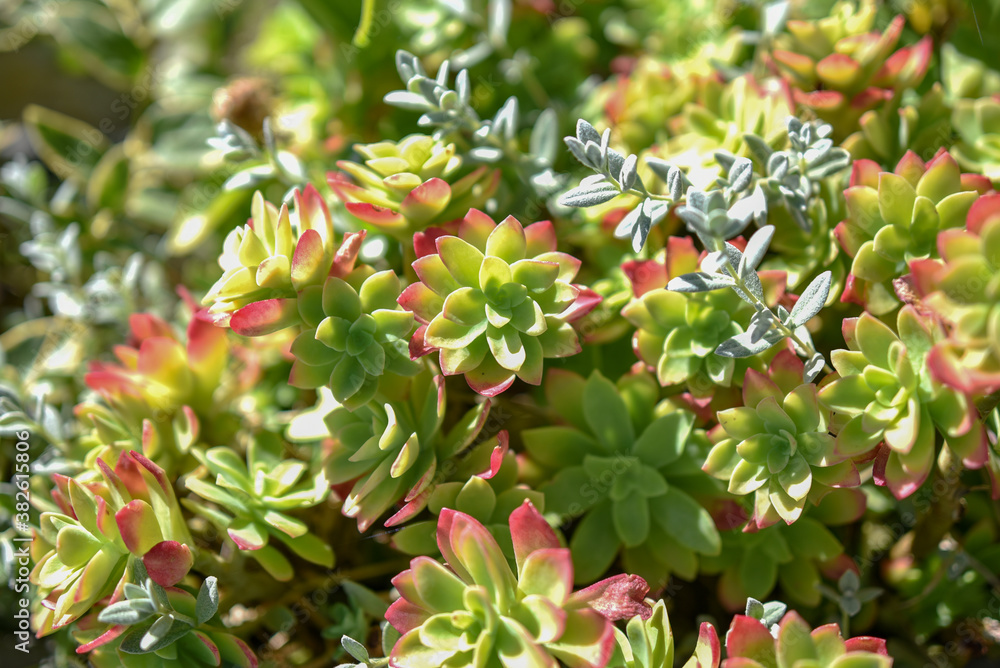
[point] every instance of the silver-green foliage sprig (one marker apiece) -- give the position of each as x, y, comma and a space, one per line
616, 174
449, 111
792, 175
155, 623
718, 215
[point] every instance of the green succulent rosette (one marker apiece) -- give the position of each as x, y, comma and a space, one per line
677, 332
840, 68
251, 500
278, 253
978, 125
354, 332
386, 453
886, 133
88, 550
751, 644
484, 487
895, 217
719, 117
795, 556
478, 611
407, 186
777, 446
963, 289
495, 300
626, 462
885, 396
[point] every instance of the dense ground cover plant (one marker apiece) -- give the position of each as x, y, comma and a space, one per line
488, 333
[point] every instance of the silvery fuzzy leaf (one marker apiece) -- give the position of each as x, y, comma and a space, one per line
657, 210
760, 324
675, 183
812, 368
754, 609
697, 199
758, 147
545, 136
695, 219
740, 174
757, 247
156, 633
585, 132
773, 612
777, 165
752, 207
507, 119
782, 313
741, 345
404, 65
811, 301
354, 648
794, 125
134, 592
624, 228
433, 118
442, 74
836, 161
594, 155
699, 281
499, 21
593, 179
462, 86
126, 612
823, 130
615, 162
818, 150
589, 195
605, 141
751, 280
714, 262
486, 153
628, 172
642, 226
732, 227
725, 159
659, 167
208, 600
578, 150
472, 56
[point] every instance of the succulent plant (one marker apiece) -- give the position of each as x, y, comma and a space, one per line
495, 300
407, 186
751, 644
840, 70
719, 117
649, 643
153, 396
923, 126
778, 445
356, 333
163, 626
477, 610
624, 461
393, 451
978, 125
253, 497
678, 332
963, 288
484, 487
885, 393
796, 556
895, 217
277, 254
131, 512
